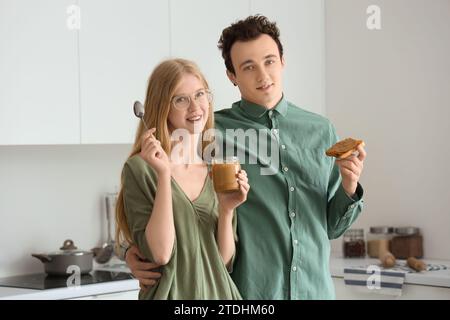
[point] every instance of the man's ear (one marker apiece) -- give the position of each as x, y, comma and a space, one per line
283, 61
232, 77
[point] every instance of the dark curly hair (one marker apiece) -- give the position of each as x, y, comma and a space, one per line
245, 30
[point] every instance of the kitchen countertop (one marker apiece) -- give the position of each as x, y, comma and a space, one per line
10, 293
438, 278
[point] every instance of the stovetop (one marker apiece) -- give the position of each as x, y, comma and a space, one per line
42, 281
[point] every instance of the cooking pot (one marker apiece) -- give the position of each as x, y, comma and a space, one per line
56, 263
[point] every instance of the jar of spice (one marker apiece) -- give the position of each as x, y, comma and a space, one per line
354, 245
378, 240
408, 242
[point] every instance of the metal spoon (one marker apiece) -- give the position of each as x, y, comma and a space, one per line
138, 109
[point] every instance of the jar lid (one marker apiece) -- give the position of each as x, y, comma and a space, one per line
406, 231
354, 233
382, 230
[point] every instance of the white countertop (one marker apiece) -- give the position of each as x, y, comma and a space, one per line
10, 293
438, 278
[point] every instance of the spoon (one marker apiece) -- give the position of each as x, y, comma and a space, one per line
138, 109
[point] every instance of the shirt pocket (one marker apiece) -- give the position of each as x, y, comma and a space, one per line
314, 167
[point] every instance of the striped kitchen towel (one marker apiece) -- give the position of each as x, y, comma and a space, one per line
375, 279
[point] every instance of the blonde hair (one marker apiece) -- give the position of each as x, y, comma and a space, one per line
162, 84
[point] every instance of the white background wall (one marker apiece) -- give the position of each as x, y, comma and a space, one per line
391, 87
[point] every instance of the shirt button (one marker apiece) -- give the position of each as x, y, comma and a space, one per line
291, 189
270, 114
296, 242
275, 131
352, 206
285, 169
294, 268
292, 214
283, 146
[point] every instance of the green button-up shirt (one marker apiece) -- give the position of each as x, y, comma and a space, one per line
291, 213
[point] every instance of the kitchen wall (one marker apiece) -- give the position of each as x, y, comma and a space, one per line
52, 193
391, 87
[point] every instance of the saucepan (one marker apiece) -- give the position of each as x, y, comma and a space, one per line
58, 262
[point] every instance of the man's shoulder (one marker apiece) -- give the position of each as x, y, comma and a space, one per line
224, 113
298, 113
223, 117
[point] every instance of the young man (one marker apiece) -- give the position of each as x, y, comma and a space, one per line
290, 215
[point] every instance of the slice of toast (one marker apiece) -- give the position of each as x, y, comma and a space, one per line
344, 148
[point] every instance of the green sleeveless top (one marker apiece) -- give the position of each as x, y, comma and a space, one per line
196, 269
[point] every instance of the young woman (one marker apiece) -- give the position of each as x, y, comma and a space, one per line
169, 208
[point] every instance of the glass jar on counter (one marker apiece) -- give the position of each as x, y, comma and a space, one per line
378, 240
354, 245
407, 242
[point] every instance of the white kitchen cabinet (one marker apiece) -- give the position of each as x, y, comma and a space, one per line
39, 92
196, 28
301, 24
120, 44
62, 86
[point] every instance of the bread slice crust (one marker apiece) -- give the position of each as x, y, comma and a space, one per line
344, 148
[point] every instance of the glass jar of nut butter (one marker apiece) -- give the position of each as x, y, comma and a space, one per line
378, 240
407, 242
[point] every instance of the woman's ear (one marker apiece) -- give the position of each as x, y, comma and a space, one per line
232, 78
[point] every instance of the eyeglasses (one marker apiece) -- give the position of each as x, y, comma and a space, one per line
202, 97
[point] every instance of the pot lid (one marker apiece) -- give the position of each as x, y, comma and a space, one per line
69, 249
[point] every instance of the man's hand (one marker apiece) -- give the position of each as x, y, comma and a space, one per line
141, 269
351, 169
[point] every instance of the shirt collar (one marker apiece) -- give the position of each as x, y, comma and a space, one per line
257, 111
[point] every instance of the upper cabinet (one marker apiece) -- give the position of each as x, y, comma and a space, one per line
70, 70
120, 44
39, 92
196, 27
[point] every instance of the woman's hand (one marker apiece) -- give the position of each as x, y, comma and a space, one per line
153, 153
229, 201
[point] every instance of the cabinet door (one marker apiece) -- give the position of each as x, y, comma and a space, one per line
120, 44
196, 28
39, 96
301, 24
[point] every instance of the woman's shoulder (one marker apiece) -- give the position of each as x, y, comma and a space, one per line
138, 167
